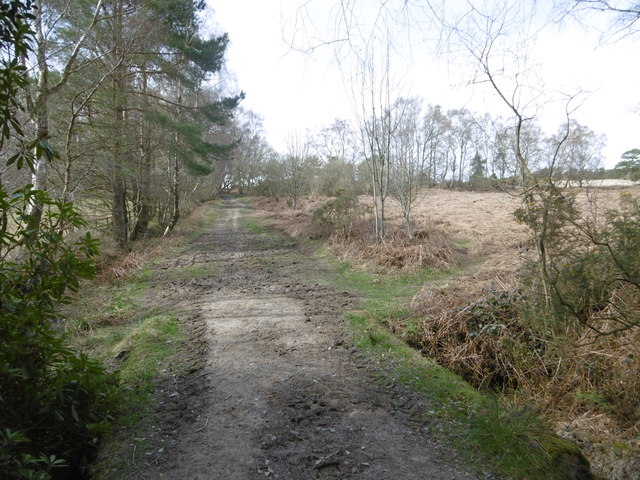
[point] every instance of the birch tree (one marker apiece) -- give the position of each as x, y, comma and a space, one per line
378, 123
581, 154
410, 148
495, 37
296, 167
48, 16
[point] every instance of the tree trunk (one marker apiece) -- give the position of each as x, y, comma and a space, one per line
145, 213
382, 226
407, 215
119, 207
145, 210
375, 208
175, 193
40, 116
118, 186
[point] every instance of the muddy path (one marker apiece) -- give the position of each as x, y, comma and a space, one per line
275, 390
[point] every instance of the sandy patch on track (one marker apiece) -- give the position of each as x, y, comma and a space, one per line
279, 392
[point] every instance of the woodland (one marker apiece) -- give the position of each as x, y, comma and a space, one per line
118, 121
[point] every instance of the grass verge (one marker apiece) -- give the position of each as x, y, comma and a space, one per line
253, 225
140, 342
143, 347
495, 439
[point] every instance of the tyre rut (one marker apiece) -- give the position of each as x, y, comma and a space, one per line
276, 390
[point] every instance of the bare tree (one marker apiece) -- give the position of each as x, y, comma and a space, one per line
503, 66
338, 140
435, 126
410, 152
581, 154
296, 167
251, 150
625, 14
378, 120
461, 143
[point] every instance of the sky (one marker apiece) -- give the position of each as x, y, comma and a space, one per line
296, 90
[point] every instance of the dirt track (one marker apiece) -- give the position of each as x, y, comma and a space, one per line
275, 390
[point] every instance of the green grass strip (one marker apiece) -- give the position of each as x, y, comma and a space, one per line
142, 343
493, 439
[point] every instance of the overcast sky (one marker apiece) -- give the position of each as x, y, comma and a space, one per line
294, 91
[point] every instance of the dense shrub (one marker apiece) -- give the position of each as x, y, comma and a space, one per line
606, 277
566, 338
54, 402
587, 271
340, 216
484, 340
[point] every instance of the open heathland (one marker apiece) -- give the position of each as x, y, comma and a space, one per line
474, 320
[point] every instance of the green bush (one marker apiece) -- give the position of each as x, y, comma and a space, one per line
595, 277
339, 215
587, 268
54, 402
